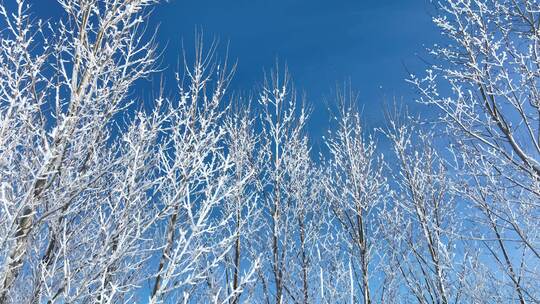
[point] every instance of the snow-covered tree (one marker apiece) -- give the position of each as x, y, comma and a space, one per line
355, 188
102, 198
66, 198
196, 197
421, 228
485, 84
289, 194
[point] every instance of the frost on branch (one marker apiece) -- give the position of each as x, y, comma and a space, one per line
207, 197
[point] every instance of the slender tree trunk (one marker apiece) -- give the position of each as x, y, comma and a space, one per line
364, 259
166, 251
304, 260
236, 296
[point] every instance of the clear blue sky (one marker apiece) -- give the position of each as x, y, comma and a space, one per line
324, 42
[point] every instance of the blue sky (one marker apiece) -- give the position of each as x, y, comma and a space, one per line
372, 43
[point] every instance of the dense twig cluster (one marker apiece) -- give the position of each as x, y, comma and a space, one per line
199, 199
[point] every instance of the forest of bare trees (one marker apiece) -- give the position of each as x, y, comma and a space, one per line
200, 195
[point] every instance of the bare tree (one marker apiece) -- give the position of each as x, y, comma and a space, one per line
90, 183
109, 198
355, 188
289, 193
199, 178
62, 85
421, 226
241, 142
489, 62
